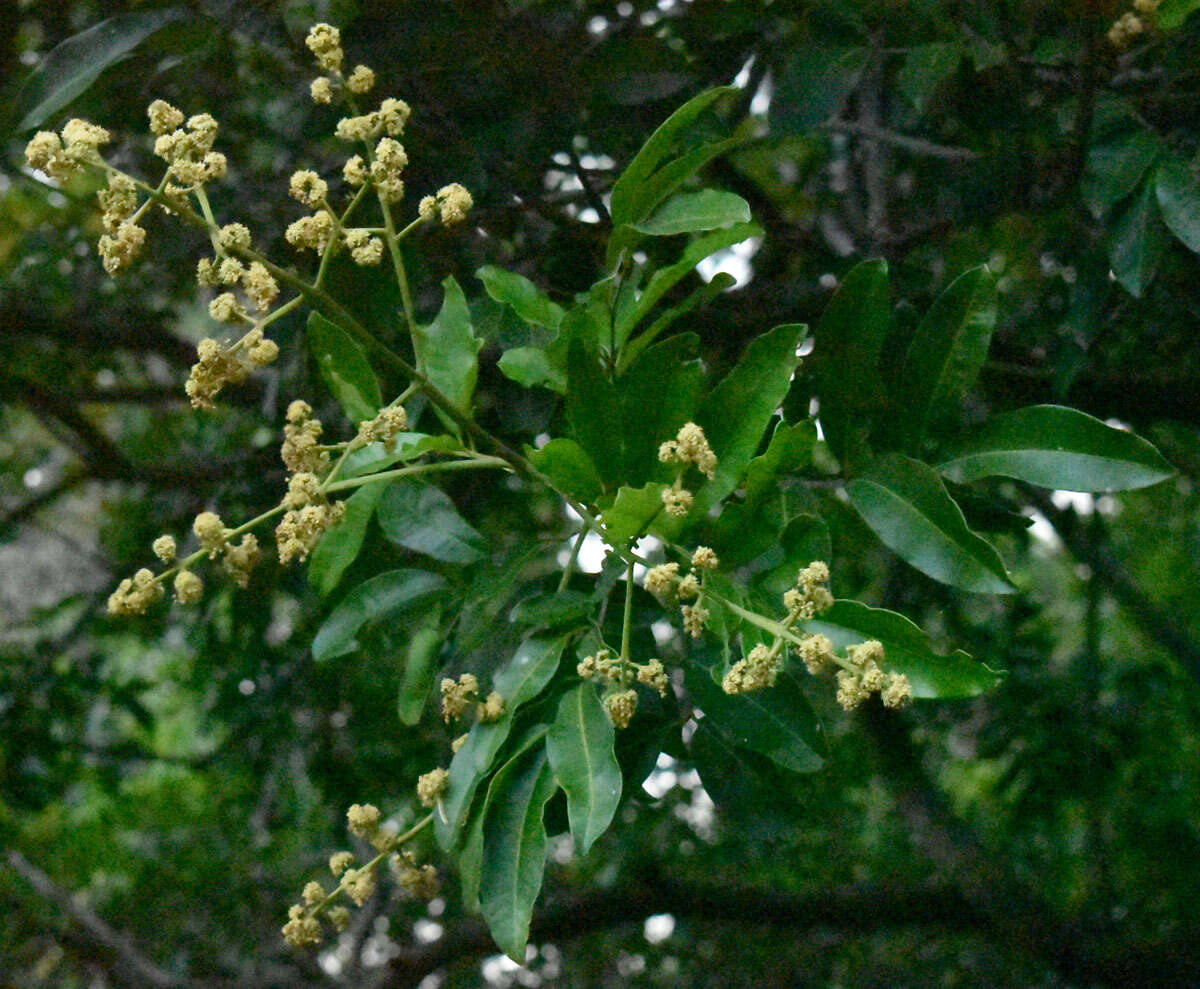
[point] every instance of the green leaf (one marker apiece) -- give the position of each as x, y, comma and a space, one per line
701, 296
658, 394
1056, 447
632, 512
448, 350
525, 298
1136, 242
375, 457
344, 368
1177, 188
580, 747
567, 464
739, 409
814, 84
422, 518
1113, 170
803, 540
907, 506
946, 354
1172, 13
382, 595
926, 68
534, 366
592, 409
420, 668
527, 673
777, 722
77, 62
906, 650
340, 546
663, 280
548, 610
849, 340
692, 212
629, 202
514, 851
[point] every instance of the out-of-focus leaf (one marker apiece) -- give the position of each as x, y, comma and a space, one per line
535, 366
906, 650
525, 298
926, 68
692, 212
422, 518
77, 62
1172, 13
420, 669
814, 84
385, 594
1177, 188
344, 368
907, 506
1136, 242
549, 610
1056, 447
592, 408
632, 512
658, 394
1114, 169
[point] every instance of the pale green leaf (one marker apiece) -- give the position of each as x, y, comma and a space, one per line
580, 747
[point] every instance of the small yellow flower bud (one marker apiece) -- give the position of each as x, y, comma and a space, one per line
431, 785
188, 587
363, 818
164, 548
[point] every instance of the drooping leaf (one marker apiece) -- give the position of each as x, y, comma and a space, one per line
340, 546
1056, 447
906, 504
945, 355
580, 747
344, 368
776, 722
74, 64
448, 350
525, 298
422, 518
1136, 241
1177, 188
906, 650
848, 343
386, 594
420, 668
567, 464
693, 212
520, 681
1115, 168
514, 851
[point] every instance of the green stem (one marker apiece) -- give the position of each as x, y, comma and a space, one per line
408, 835
627, 621
573, 559
477, 463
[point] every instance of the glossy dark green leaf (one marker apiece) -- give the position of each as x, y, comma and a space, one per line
906, 504
907, 650
1136, 241
340, 546
1056, 447
344, 368
420, 669
448, 350
847, 347
776, 722
422, 518
592, 408
658, 394
514, 851
567, 464
74, 64
631, 513
526, 674
945, 354
693, 212
705, 293
383, 595
525, 298
580, 747
1115, 168
1177, 188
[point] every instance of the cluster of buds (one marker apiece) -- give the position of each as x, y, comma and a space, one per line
358, 883
325, 42
690, 447
216, 539
450, 205
301, 450
218, 365
63, 157
185, 147
461, 696
309, 514
1132, 23
866, 677
666, 584
384, 428
618, 674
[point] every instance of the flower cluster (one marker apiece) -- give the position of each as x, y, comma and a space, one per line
666, 584
384, 427
309, 514
1132, 23
690, 447
357, 883
865, 677
450, 205
459, 696
185, 147
618, 675
63, 157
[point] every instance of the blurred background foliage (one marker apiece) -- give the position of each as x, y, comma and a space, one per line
167, 784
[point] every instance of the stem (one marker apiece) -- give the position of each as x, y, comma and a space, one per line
477, 463
408, 835
573, 559
627, 621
